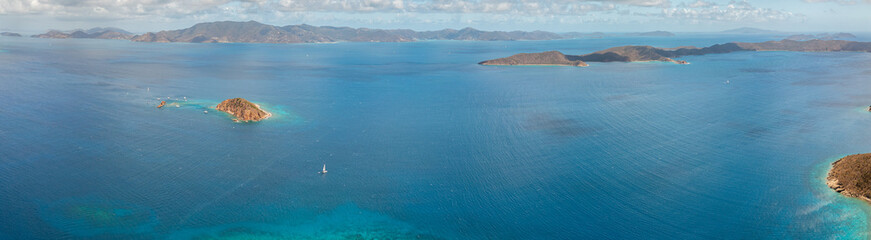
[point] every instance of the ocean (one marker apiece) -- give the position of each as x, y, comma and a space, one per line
422, 143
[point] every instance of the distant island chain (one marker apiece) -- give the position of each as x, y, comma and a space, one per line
255, 32
649, 53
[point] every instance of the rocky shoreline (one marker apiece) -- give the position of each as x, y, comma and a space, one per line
851, 176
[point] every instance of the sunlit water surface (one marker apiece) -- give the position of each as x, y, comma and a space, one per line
422, 143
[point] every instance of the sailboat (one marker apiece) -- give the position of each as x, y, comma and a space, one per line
323, 171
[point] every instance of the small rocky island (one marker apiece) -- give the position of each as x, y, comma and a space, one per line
10, 34
851, 176
649, 53
243, 110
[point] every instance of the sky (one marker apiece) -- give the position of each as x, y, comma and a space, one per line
139, 16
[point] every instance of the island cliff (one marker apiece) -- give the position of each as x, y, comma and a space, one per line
243, 110
851, 176
648, 53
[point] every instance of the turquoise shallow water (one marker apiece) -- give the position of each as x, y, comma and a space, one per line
421, 142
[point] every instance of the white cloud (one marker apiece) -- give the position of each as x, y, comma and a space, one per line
109, 8
699, 4
735, 11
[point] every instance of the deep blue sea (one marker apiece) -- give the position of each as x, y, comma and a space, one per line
422, 143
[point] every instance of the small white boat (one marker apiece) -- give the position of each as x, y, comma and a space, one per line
324, 170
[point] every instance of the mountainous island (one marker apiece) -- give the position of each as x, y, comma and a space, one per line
255, 32
648, 53
851, 176
243, 110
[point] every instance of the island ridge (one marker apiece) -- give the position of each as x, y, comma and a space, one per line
649, 53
